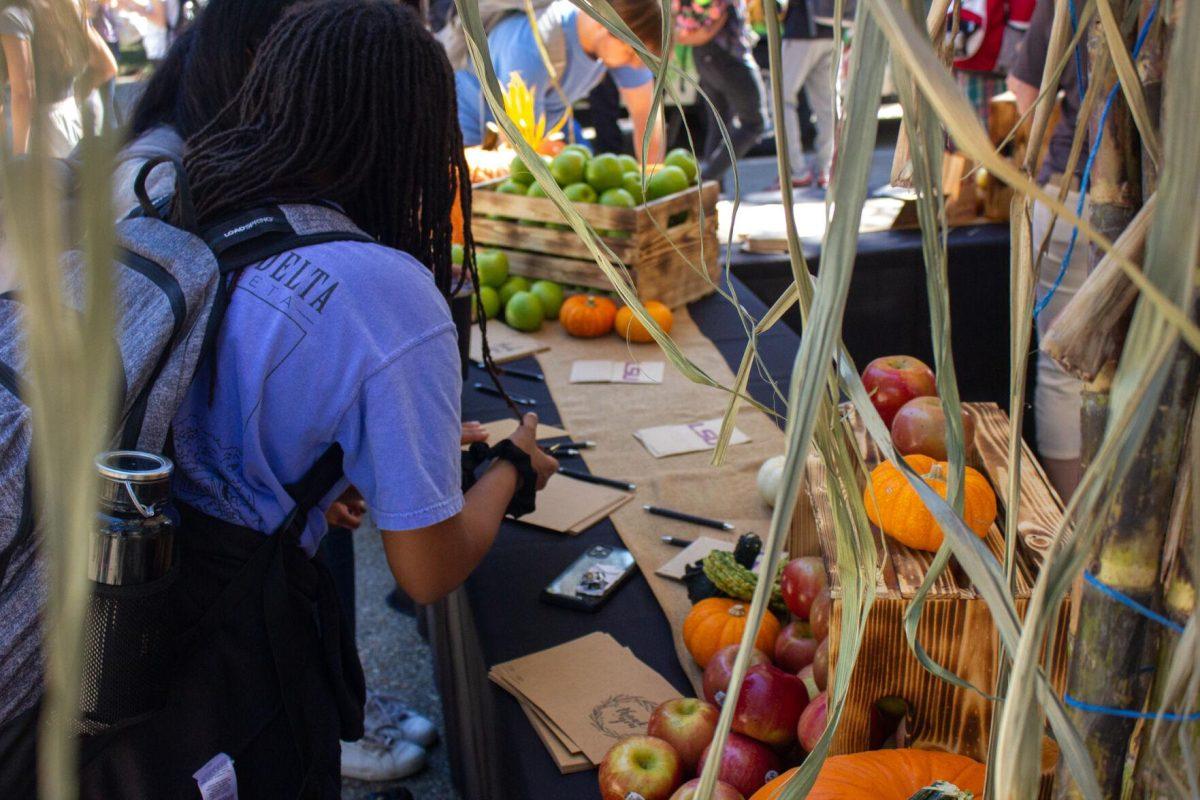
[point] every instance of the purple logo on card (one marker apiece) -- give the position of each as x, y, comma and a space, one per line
633, 372
706, 434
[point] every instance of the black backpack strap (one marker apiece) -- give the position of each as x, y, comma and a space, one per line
311, 488
183, 192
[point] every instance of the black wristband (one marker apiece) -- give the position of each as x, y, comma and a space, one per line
524, 499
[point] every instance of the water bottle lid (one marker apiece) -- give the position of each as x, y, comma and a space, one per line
134, 466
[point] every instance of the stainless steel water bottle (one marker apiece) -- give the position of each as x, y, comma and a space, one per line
132, 564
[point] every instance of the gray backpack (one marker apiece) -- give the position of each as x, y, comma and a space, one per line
172, 286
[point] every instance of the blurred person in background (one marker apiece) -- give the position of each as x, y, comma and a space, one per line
143, 22
716, 31
1056, 397
51, 58
590, 52
808, 58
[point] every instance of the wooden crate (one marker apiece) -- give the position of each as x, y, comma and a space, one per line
673, 263
956, 627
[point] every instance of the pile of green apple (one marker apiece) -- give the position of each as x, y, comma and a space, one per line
523, 305
607, 179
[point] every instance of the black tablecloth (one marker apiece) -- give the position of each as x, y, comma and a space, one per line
511, 621
887, 312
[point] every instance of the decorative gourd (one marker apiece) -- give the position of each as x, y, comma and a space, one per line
896, 508
770, 475
888, 775
736, 580
747, 549
719, 622
632, 329
587, 315
941, 790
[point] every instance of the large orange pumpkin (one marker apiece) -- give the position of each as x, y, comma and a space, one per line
896, 508
717, 622
632, 329
885, 775
587, 316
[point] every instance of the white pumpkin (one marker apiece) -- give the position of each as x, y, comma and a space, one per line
770, 474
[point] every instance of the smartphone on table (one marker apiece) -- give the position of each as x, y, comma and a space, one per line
591, 579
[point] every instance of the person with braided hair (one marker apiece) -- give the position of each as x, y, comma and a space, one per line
341, 353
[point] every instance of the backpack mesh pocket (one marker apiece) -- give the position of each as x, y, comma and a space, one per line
128, 652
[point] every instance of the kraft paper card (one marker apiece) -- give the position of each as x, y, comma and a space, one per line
674, 440
501, 429
594, 690
695, 551
505, 344
633, 372
572, 506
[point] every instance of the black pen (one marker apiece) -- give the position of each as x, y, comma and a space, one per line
675, 541
573, 445
494, 392
583, 476
692, 518
564, 452
516, 373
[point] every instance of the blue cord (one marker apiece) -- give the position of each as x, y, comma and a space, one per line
1126, 600
1085, 181
1149, 613
1126, 713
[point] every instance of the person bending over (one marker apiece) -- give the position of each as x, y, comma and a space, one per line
588, 51
349, 103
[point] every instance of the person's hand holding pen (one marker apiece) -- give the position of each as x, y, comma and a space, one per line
525, 438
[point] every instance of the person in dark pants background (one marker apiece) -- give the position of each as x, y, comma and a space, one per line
604, 109
716, 30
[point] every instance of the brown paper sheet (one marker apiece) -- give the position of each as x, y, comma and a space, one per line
501, 429
572, 506
505, 344
610, 413
595, 690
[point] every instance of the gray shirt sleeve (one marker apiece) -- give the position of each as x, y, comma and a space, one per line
1032, 58
17, 22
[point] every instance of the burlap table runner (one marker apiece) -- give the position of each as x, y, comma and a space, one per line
610, 413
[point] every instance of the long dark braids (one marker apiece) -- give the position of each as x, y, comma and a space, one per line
350, 101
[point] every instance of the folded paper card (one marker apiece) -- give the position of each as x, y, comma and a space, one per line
673, 440
617, 372
697, 550
593, 690
505, 344
568, 505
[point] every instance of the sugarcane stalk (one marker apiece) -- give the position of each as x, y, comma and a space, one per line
1115, 191
1113, 643
1149, 62
1169, 749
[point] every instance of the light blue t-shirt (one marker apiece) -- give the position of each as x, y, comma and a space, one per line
346, 342
514, 49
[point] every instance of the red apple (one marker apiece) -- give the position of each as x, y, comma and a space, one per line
920, 427
687, 724
812, 722
769, 705
892, 381
802, 579
723, 791
810, 683
746, 765
794, 647
643, 765
818, 615
821, 665
716, 674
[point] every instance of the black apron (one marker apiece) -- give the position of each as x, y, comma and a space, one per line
266, 671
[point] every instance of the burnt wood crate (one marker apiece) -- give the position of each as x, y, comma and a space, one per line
956, 627
669, 247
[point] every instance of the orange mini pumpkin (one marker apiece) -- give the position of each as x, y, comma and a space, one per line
587, 315
718, 622
885, 775
896, 508
632, 329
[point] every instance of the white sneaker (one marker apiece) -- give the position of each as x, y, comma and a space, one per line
370, 760
387, 717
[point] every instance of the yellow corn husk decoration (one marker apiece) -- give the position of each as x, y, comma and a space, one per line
520, 108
